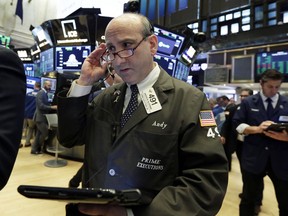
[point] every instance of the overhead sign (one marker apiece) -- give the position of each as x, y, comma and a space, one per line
71, 31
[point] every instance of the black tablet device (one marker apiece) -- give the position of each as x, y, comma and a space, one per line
278, 127
128, 197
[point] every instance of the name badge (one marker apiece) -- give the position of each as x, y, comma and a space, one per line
283, 118
150, 100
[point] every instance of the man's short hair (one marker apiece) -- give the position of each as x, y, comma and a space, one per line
271, 74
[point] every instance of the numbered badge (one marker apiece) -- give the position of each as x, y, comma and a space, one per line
150, 100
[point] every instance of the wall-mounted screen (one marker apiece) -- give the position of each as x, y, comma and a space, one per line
181, 71
47, 61
42, 38
35, 52
71, 31
71, 58
271, 60
24, 54
188, 55
30, 81
169, 42
168, 64
218, 74
5, 40
29, 69
242, 68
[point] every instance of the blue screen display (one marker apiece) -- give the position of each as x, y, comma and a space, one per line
169, 42
30, 81
29, 69
167, 63
71, 58
47, 61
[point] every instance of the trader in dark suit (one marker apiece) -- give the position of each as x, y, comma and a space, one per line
43, 107
12, 105
262, 155
169, 148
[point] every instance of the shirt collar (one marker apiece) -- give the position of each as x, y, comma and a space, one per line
149, 81
274, 98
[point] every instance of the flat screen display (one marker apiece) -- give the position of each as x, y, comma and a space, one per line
47, 61
30, 81
181, 71
29, 69
188, 55
24, 54
42, 38
271, 60
71, 58
169, 42
167, 63
5, 40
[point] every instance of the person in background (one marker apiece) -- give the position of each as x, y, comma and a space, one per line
165, 149
12, 104
30, 107
234, 141
43, 107
223, 102
262, 155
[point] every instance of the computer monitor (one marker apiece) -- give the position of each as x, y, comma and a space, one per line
42, 37
167, 63
71, 58
30, 81
188, 56
271, 60
181, 71
47, 61
29, 69
169, 42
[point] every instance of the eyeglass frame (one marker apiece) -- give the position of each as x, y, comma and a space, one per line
132, 50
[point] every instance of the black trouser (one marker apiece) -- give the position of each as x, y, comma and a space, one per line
251, 186
239, 147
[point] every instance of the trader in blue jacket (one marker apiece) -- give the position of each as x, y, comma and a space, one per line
169, 148
261, 154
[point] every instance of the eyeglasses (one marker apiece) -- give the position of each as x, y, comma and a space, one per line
125, 53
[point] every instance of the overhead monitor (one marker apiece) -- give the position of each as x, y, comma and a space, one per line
188, 55
167, 63
29, 69
5, 40
30, 81
71, 58
35, 52
42, 38
24, 54
271, 60
71, 31
169, 42
181, 71
47, 61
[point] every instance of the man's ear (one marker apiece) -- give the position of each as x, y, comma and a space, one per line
153, 44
